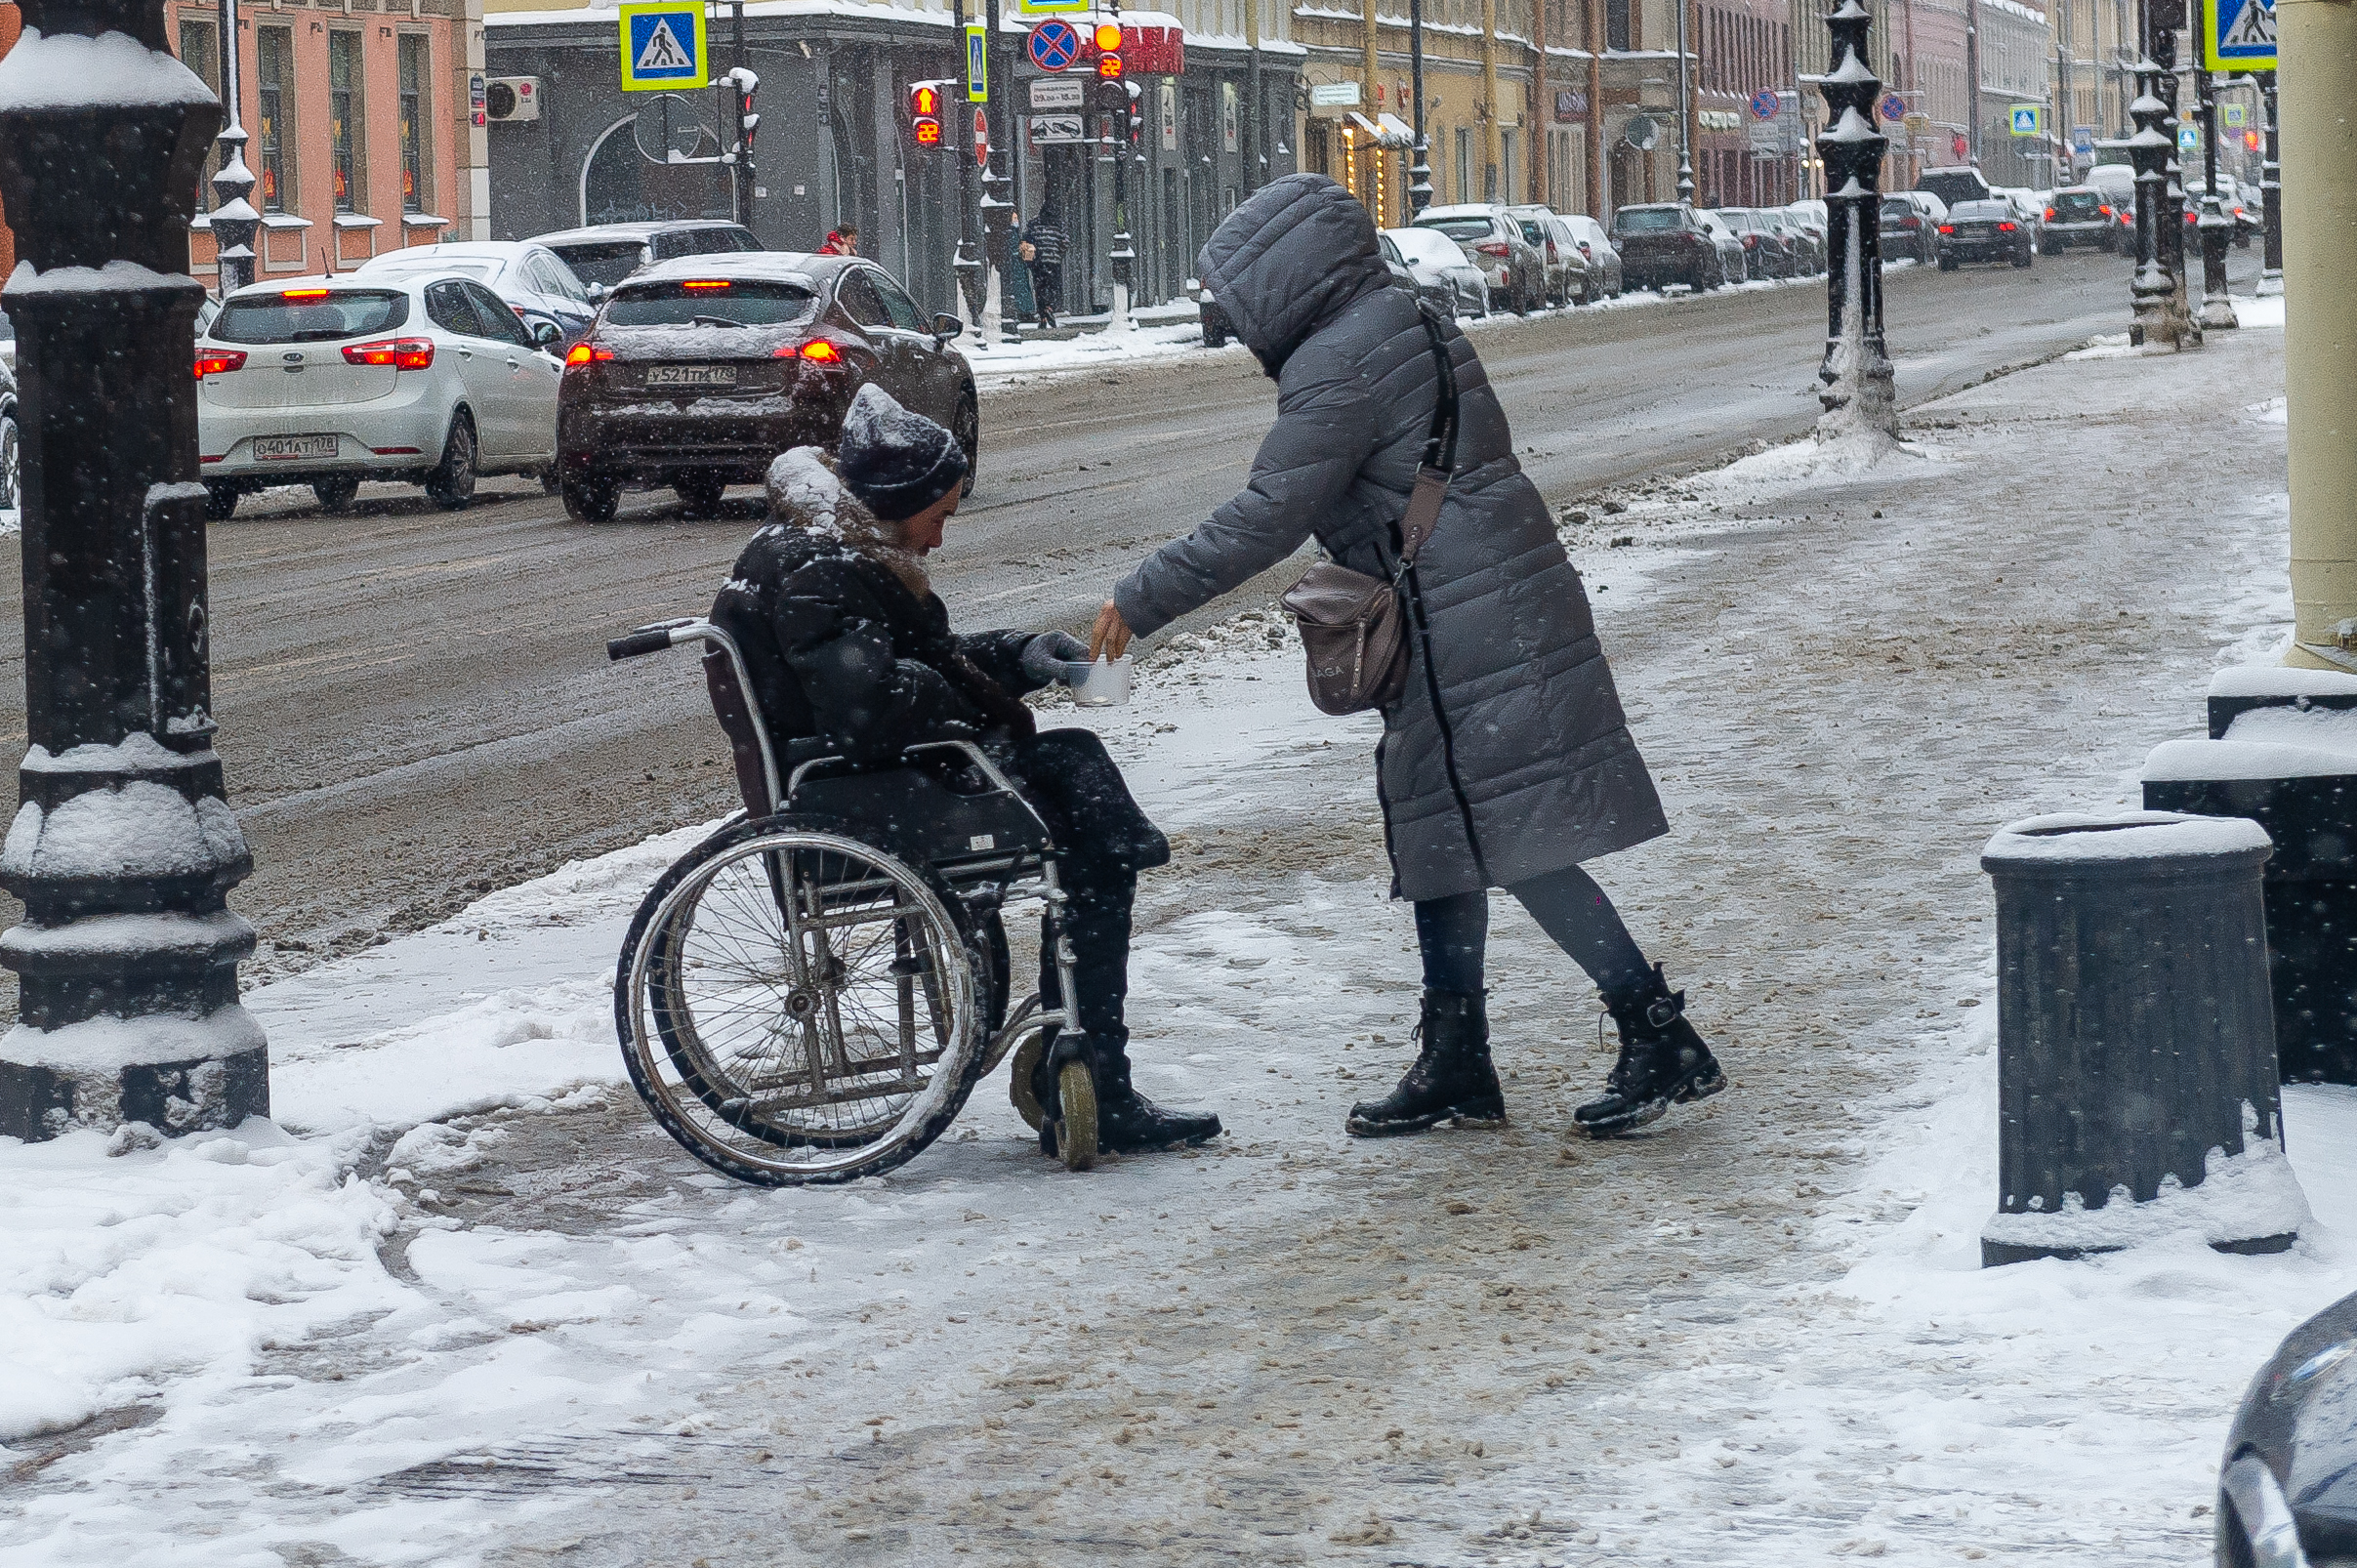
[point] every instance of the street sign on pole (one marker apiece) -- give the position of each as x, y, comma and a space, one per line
1053, 45
1047, 93
1054, 130
664, 46
2189, 139
1894, 107
2238, 35
2083, 139
2236, 115
982, 138
977, 62
2026, 120
1765, 104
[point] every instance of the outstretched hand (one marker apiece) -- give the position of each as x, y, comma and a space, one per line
1109, 638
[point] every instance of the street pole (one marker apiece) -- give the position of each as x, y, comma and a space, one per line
740, 173
966, 264
233, 220
1859, 395
123, 849
2319, 40
1419, 172
2272, 196
1685, 114
1255, 159
1117, 150
2217, 227
1972, 81
1600, 199
997, 235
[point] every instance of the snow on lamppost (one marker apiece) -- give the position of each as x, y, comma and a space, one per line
1859, 398
234, 221
122, 849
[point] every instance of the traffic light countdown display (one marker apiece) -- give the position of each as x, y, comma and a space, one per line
925, 114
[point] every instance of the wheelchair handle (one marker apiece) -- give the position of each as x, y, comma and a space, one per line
644, 640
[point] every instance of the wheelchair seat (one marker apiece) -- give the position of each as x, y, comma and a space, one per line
914, 811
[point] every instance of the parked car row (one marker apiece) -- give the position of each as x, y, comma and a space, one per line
1661, 243
690, 360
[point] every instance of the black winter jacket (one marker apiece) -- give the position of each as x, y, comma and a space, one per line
844, 656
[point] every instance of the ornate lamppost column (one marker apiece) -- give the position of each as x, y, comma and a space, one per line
1685, 112
2151, 288
234, 221
1419, 172
2167, 17
1859, 393
122, 848
2217, 229
2272, 196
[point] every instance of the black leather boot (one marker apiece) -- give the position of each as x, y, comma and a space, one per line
1449, 1078
1129, 1123
1663, 1062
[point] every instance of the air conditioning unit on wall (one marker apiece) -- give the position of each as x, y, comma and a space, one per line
512, 98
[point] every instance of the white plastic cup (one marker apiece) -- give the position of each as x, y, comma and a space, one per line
1102, 685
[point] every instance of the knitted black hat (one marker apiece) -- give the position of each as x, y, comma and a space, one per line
894, 461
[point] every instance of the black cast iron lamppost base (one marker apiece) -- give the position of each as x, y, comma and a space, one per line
1859, 390
122, 847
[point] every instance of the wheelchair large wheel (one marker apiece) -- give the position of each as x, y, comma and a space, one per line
798, 1007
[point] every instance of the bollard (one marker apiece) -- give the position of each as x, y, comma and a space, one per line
2136, 1073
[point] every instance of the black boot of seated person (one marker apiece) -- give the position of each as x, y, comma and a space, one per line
1451, 1078
1663, 1062
1126, 1122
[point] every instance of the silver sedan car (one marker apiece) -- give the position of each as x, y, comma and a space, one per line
1436, 258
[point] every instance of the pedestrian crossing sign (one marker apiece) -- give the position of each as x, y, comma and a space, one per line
2238, 35
663, 46
2027, 120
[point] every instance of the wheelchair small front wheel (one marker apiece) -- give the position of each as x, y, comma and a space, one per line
1076, 1129
1021, 1090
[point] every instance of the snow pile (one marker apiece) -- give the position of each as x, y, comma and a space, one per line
113, 70
126, 1267
139, 829
2267, 311
2246, 1196
2264, 743
2116, 346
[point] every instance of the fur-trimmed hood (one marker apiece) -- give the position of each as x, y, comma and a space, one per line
806, 494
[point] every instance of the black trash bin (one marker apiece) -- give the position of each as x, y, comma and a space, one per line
2134, 1036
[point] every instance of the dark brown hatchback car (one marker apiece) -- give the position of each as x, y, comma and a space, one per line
698, 372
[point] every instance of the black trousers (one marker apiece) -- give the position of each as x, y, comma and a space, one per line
1103, 840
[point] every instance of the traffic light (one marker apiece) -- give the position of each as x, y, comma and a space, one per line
925, 113
744, 84
2251, 141
1112, 96
1107, 39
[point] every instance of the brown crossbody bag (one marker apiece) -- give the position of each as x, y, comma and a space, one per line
1355, 628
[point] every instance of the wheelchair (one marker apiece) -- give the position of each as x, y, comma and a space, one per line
810, 994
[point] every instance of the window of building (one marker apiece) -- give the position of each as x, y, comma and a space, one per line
274, 135
200, 52
1465, 164
1505, 169
413, 71
1616, 25
343, 116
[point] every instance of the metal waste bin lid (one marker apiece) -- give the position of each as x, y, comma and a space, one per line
2129, 843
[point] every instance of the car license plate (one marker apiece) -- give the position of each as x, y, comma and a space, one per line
691, 375
268, 447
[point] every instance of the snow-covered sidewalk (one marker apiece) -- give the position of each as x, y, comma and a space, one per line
464, 1305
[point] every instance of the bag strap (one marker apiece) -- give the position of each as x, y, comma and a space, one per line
1439, 449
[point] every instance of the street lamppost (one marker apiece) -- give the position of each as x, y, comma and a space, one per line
2271, 195
1859, 394
233, 222
1685, 114
2156, 292
1419, 172
123, 849
2217, 229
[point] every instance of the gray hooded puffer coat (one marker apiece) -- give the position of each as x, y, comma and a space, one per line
1507, 756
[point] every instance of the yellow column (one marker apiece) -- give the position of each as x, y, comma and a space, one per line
2318, 85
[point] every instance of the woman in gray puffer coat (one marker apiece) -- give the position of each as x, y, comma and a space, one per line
1506, 761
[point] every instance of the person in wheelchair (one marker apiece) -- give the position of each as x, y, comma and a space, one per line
851, 653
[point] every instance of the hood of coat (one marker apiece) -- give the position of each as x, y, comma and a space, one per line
1290, 260
806, 494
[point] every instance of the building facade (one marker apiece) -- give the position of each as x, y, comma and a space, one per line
361, 126
834, 145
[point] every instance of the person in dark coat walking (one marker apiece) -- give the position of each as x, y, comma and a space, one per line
1044, 234
851, 653
1506, 761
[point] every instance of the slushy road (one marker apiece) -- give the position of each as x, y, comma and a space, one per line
416, 705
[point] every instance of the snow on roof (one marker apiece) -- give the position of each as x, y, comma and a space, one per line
113, 70
2068, 837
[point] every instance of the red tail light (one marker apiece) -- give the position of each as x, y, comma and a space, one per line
1751, 242
2049, 215
1495, 247
2005, 228
218, 361
1947, 229
2105, 211
581, 353
818, 350
1913, 222
707, 283
402, 354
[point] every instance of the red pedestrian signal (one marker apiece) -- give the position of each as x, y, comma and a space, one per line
925, 113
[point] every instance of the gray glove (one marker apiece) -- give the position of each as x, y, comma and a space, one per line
1046, 654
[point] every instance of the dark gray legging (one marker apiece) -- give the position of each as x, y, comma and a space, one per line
1568, 906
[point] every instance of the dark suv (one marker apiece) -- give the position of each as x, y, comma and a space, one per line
1986, 231
1666, 243
604, 255
698, 372
2078, 214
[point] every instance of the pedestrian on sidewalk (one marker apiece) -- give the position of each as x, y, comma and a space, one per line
851, 653
1044, 248
1505, 761
844, 241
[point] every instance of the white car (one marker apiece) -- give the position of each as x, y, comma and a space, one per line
532, 278
428, 379
1434, 257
